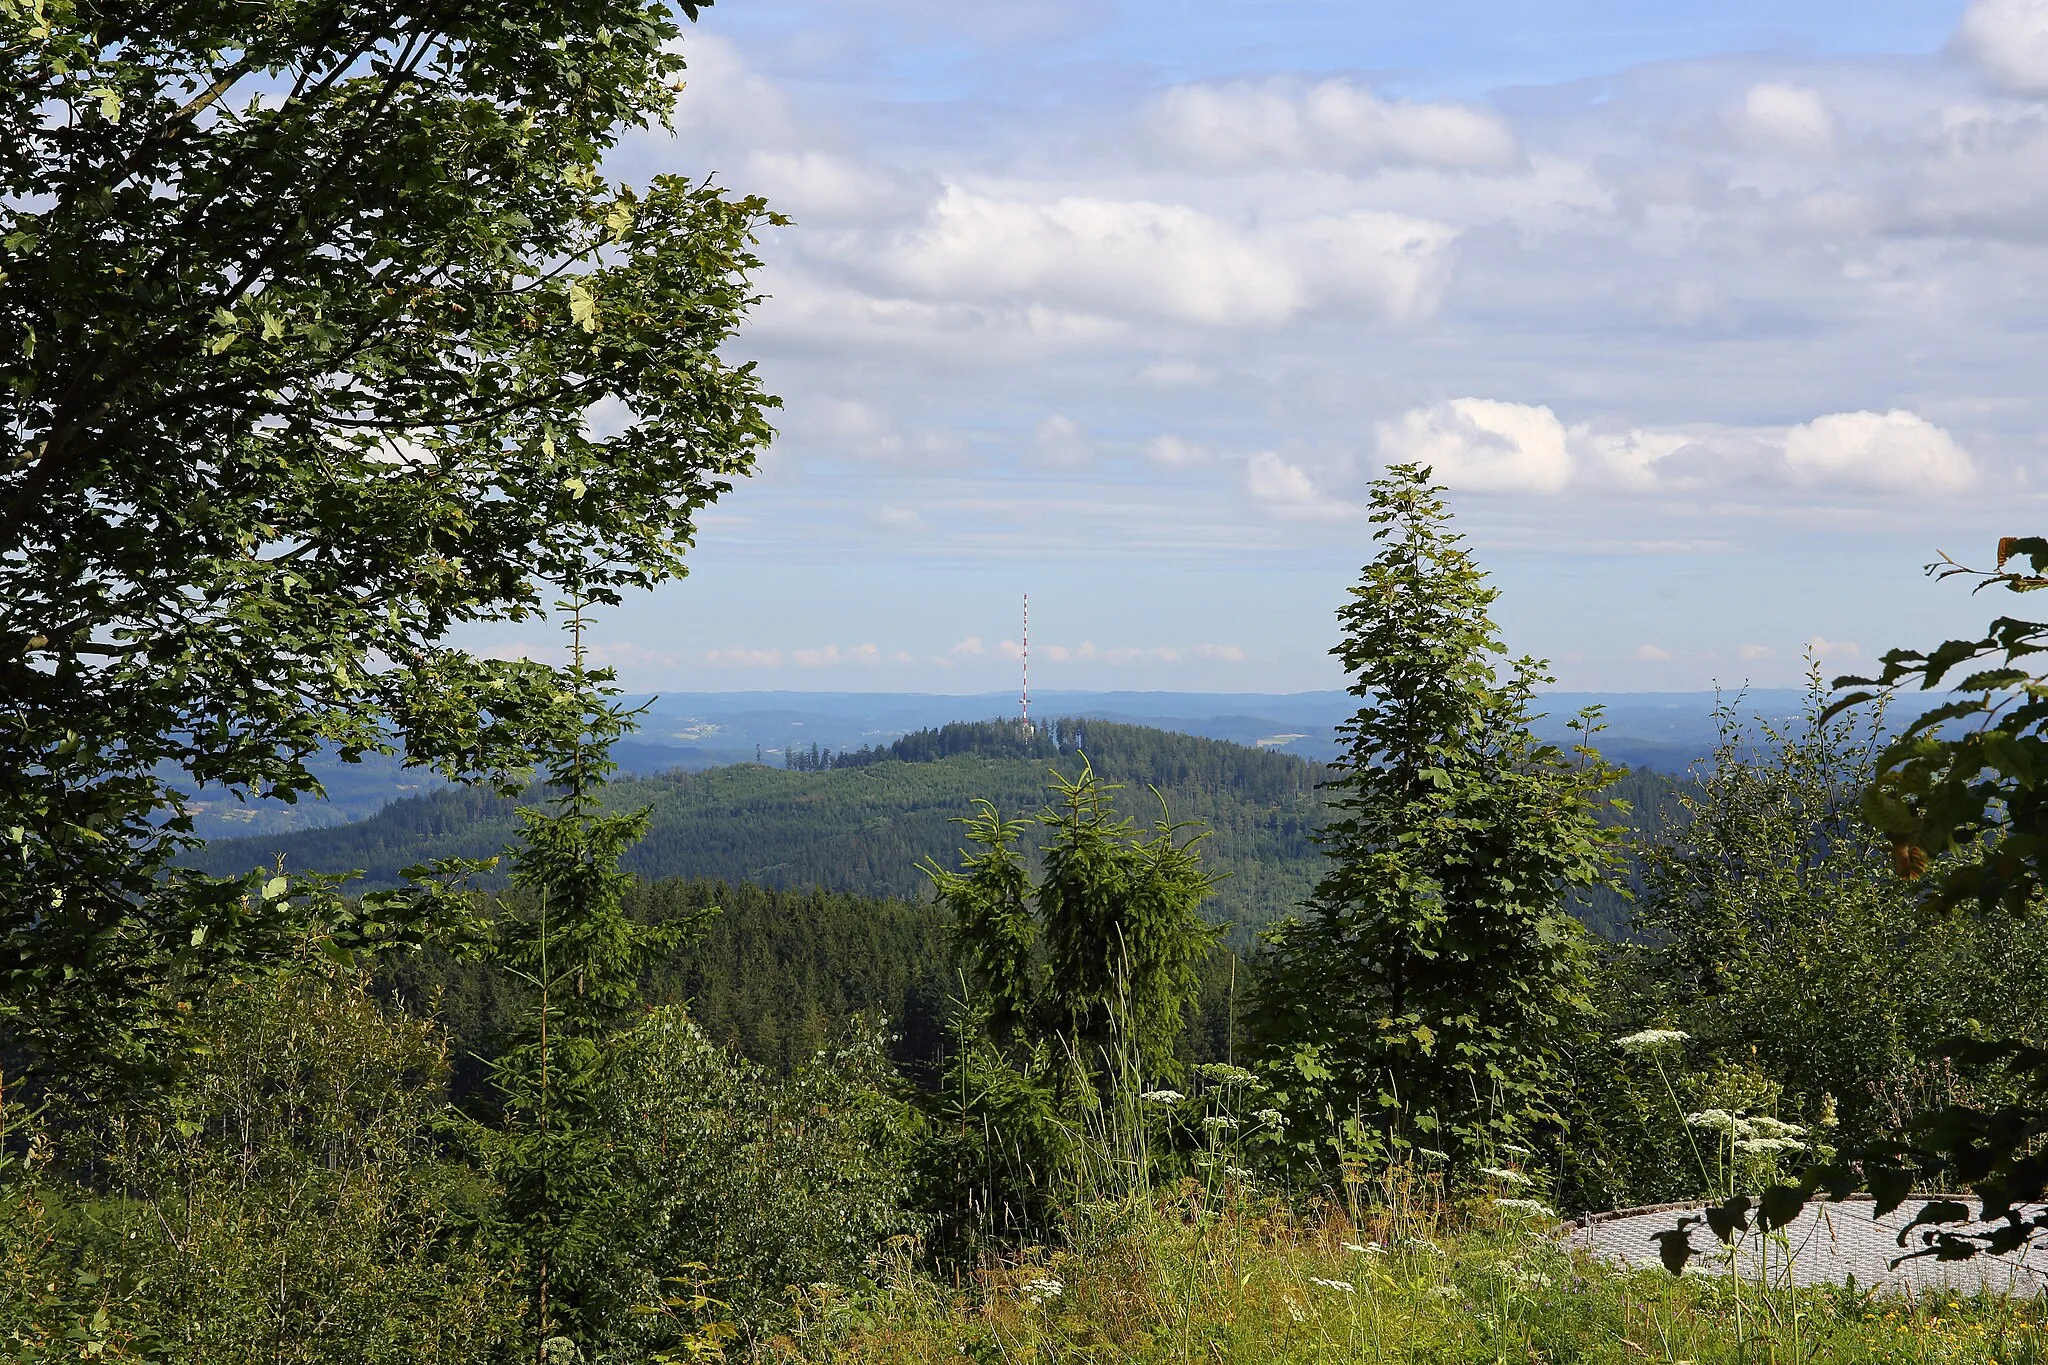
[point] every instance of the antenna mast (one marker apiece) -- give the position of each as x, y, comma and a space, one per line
1024, 700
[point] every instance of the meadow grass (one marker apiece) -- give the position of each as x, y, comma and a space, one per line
1192, 1277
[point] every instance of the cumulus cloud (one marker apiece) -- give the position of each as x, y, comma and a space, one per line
1791, 118
1820, 647
1482, 445
1489, 446
1245, 125
1749, 653
971, 646
1172, 261
1897, 451
2009, 40
1653, 654
1287, 489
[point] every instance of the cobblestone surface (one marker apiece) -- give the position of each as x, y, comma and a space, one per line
1827, 1244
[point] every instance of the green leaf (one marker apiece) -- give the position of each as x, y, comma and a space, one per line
582, 308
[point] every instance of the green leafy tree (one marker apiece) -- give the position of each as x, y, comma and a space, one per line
321, 334
1958, 796
1421, 996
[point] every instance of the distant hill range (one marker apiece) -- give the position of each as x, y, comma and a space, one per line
1664, 732
866, 822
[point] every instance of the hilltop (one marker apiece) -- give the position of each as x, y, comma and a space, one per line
863, 821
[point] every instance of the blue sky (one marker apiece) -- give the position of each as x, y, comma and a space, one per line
1719, 319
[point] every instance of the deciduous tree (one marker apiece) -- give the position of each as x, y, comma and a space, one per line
322, 334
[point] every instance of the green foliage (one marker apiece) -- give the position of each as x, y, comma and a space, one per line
1959, 798
286, 1203
566, 1184
761, 1184
304, 308
1423, 995
1102, 949
1780, 936
1078, 979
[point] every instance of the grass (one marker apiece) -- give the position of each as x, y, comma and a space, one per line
1194, 1278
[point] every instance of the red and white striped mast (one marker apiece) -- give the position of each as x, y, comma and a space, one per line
1024, 698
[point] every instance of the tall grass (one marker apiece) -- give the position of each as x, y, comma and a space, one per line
1190, 1277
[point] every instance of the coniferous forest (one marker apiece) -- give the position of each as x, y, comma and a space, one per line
1071, 1042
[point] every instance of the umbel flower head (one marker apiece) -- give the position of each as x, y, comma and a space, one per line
1652, 1040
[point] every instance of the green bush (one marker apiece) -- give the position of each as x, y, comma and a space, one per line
284, 1203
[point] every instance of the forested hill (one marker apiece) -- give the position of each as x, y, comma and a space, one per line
863, 821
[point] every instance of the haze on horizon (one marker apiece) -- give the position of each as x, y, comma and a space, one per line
1721, 321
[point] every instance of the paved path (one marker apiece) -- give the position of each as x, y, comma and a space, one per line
1826, 1245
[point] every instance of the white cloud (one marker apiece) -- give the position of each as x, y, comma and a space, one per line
1653, 654
1820, 647
1249, 126
739, 656
1172, 261
811, 184
891, 518
1174, 452
1287, 489
1791, 118
1059, 441
2009, 39
972, 645
1482, 445
1897, 451
831, 656
1635, 459
1749, 653
1485, 445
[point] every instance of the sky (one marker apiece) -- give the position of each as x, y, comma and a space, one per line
1720, 320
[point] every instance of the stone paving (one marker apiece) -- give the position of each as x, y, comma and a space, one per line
1827, 1244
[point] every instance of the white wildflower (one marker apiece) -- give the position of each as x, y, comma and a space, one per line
1650, 1039
1530, 1206
1506, 1176
1272, 1118
1422, 1244
1237, 1172
1162, 1097
1719, 1120
1432, 1153
1219, 1121
1043, 1291
1520, 1275
1769, 1144
1513, 1150
1446, 1291
1224, 1074
1365, 1249
1764, 1126
1342, 1286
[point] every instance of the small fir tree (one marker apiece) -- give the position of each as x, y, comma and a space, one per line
1419, 999
566, 1184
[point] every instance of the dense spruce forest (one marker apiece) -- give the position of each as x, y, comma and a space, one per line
866, 822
